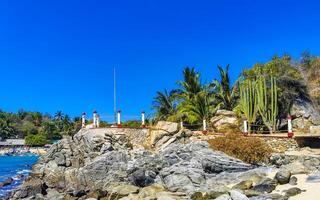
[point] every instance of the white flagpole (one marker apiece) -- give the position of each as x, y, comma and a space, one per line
114, 96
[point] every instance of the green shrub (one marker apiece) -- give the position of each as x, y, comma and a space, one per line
36, 140
248, 149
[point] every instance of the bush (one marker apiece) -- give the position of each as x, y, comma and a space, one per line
248, 149
36, 140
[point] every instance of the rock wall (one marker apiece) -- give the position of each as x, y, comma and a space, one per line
281, 144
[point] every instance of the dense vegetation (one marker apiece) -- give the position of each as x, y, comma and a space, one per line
36, 127
249, 149
274, 87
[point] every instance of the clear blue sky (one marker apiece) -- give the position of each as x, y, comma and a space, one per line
59, 55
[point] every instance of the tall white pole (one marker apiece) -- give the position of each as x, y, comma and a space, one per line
114, 95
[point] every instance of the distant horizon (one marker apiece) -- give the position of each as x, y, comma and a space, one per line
60, 55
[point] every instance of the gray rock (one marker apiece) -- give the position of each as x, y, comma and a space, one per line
267, 185
244, 185
6, 182
236, 195
30, 188
53, 194
283, 176
293, 180
225, 120
292, 192
269, 197
224, 197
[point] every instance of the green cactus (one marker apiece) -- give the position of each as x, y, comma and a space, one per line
248, 101
267, 102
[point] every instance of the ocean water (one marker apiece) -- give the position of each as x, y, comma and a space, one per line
11, 167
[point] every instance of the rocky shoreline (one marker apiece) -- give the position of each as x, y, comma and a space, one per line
23, 151
165, 163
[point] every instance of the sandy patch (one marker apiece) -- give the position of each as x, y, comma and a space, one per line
312, 188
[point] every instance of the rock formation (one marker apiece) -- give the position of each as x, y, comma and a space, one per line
107, 163
129, 164
225, 121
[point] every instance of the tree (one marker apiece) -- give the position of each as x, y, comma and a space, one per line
190, 86
224, 93
59, 116
197, 108
6, 128
37, 117
36, 140
164, 104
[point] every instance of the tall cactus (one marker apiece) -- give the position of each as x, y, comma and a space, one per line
248, 101
267, 102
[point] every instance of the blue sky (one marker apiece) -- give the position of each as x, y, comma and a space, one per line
59, 55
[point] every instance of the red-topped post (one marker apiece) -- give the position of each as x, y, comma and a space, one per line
119, 119
290, 131
205, 126
245, 127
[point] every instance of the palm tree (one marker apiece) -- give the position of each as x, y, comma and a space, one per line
164, 104
59, 115
224, 93
190, 86
197, 108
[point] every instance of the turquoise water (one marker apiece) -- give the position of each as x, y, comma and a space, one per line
11, 167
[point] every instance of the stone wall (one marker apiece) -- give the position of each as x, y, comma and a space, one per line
282, 144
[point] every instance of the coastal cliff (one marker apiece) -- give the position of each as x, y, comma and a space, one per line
104, 163
164, 163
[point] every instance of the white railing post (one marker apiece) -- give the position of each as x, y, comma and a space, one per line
119, 119
143, 123
95, 119
245, 127
290, 131
204, 126
83, 121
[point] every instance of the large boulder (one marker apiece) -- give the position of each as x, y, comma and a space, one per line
225, 121
304, 115
163, 129
283, 176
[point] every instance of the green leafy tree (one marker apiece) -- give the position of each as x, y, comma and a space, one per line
36, 140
